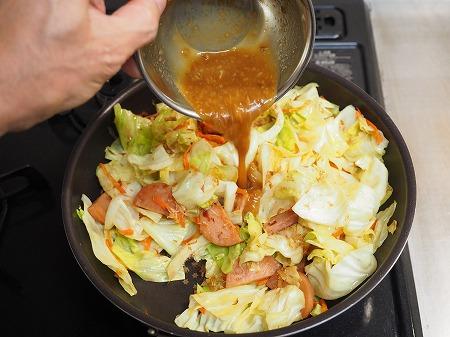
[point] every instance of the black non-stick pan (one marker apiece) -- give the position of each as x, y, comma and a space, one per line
157, 304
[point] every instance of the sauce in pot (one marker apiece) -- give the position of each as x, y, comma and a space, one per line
229, 90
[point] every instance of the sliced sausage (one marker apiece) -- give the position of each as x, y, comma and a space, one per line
216, 227
148, 198
99, 207
158, 198
252, 271
281, 221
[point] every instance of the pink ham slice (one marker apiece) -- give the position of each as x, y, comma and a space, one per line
252, 271
98, 209
281, 221
216, 227
158, 198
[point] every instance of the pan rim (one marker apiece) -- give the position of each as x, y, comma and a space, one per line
354, 297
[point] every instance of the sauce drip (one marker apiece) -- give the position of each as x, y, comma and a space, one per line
253, 200
229, 90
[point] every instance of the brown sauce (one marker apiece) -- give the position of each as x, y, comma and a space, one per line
229, 90
253, 200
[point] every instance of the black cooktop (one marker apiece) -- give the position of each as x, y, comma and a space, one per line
43, 292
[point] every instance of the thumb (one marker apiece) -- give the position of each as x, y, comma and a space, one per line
139, 19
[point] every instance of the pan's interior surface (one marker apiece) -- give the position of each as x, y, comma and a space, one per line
157, 304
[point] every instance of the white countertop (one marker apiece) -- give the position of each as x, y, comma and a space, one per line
413, 48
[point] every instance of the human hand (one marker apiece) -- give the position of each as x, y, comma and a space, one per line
56, 54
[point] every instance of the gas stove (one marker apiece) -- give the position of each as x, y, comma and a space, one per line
42, 289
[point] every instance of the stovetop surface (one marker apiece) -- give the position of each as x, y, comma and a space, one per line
42, 289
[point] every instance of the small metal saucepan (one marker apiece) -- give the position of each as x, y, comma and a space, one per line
285, 27
157, 304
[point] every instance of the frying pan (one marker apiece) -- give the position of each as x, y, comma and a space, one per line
157, 304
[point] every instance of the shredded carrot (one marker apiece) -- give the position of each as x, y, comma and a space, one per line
338, 233
374, 224
323, 305
376, 134
202, 310
186, 163
176, 214
126, 231
262, 282
160, 202
115, 183
182, 125
147, 243
108, 243
192, 237
206, 128
212, 138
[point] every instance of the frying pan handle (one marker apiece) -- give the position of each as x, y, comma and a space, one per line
152, 332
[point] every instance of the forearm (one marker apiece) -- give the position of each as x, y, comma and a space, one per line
19, 46
14, 99
54, 55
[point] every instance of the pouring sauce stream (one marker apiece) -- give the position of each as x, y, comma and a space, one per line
229, 90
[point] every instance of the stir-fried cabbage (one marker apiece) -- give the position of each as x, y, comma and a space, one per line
195, 248
242, 309
148, 265
317, 186
287, 249
101, 250
196, 190
333, 281
157, 160
167, 233
124, 217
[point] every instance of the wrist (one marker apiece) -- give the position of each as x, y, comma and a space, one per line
17, 111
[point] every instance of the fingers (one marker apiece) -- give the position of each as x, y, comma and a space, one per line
119, 35
130, 67
140, 19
